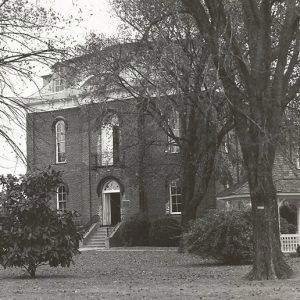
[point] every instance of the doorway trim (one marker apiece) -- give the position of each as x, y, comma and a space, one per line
110, 187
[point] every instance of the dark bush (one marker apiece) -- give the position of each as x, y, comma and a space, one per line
286, 227
298, 250
165, 232
222, 235
135, 231
289, 212
32, 233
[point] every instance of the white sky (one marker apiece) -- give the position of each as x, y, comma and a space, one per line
96, 17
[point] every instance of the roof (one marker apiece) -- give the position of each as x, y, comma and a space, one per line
286, 178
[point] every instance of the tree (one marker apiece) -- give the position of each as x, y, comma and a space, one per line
25, 44
168, 74
32, 233
255, 48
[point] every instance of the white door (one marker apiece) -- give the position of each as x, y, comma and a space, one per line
106, 209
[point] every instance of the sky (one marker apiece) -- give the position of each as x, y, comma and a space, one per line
96, 16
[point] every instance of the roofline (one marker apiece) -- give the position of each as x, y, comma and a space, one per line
234, 196
245, 196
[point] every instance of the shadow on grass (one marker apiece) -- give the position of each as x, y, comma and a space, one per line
38, 276
214, 264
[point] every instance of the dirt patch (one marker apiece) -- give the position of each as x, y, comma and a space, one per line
144, 275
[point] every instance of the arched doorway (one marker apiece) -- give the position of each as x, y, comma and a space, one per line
111, 203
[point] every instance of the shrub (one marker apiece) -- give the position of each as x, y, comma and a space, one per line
289, 212
135, 231
286, 227
33, 234
85, 228
223, 235
165, 232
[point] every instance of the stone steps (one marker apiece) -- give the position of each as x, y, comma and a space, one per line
97, 238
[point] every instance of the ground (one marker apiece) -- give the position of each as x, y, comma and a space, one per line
144, 275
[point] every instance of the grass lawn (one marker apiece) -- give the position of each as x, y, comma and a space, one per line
144, 275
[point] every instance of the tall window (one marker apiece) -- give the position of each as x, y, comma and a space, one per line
58, 84
109, 142
59, 81
60, 131
175, 197
174, 125
61, 198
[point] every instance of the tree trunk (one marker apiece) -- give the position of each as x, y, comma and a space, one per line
31, 270
188, 188
268, 260
259, 156
141, 108
196, 180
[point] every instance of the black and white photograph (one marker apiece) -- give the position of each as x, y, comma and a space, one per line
149, 149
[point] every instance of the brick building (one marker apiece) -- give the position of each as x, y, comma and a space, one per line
115, 160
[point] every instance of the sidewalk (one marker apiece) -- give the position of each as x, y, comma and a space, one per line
141, 249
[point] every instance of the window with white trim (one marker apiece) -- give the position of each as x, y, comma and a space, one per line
174, 125
109, 142
60, 135
59, 79
58, 83
175, 197
61, 198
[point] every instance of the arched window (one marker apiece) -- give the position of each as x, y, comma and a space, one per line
109, 142
60, 132
175, 197
61, 198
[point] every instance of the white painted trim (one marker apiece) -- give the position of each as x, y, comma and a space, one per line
61, 162
170, 197
243, 196
288, 194
111, 192
239, 196
57, 141
70, 98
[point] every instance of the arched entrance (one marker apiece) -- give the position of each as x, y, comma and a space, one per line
111, 203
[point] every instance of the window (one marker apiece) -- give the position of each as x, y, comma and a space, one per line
60, 131
58, 83
61, 198
174, 125
109, 142
58, 79
175, 197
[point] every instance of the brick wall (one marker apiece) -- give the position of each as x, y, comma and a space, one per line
81, 175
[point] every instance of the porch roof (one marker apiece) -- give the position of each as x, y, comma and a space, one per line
286, 178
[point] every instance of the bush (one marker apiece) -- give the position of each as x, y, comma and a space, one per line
33, 234
135, 231
223, 235
289, 213
286, 227
165, 232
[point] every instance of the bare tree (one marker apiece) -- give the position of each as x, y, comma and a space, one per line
25, 44
255, 48
168, 71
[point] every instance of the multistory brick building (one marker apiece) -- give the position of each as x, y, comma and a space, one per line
116, 161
